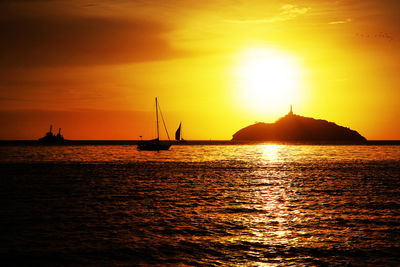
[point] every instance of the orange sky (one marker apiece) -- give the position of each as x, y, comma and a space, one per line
93, 68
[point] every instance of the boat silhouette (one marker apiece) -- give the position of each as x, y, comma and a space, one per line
178, 134
51, 138
155, 144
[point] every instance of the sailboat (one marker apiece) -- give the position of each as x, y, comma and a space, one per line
155, 144
178, 134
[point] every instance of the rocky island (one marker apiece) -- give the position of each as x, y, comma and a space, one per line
295, 128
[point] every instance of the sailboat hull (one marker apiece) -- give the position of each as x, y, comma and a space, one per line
152, 146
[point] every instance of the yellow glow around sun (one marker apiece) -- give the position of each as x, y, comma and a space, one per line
268, 80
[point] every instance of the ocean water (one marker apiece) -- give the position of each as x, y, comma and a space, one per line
251, 205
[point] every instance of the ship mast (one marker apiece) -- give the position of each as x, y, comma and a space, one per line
158, 134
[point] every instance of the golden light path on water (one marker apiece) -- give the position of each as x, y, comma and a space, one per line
267, 204
270, 152
268, 223
260, 154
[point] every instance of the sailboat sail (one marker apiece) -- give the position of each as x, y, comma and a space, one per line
178, 133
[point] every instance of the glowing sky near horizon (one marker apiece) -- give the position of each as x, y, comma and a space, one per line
93, 68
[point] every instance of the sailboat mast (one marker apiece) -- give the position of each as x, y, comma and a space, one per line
158, 134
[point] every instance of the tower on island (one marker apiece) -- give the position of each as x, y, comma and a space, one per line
291, 111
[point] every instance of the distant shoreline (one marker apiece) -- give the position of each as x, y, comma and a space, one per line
194, 142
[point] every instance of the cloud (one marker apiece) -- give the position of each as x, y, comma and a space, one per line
287, 12
74, 40
293, 11
340, 21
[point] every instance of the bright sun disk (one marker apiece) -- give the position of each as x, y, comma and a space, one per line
269, 80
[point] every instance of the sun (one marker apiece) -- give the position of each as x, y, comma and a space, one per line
268, 80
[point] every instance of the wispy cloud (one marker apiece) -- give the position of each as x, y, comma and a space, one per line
292, 11
287, 12
340, 21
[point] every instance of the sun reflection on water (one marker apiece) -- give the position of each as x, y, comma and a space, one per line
210, 205
261, 155
270, 152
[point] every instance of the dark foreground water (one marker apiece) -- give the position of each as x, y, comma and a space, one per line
200, 205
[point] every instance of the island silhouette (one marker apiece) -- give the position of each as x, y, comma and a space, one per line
297, 128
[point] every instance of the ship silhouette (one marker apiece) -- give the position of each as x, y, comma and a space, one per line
51, 138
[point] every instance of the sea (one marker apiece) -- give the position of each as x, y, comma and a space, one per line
200, 205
